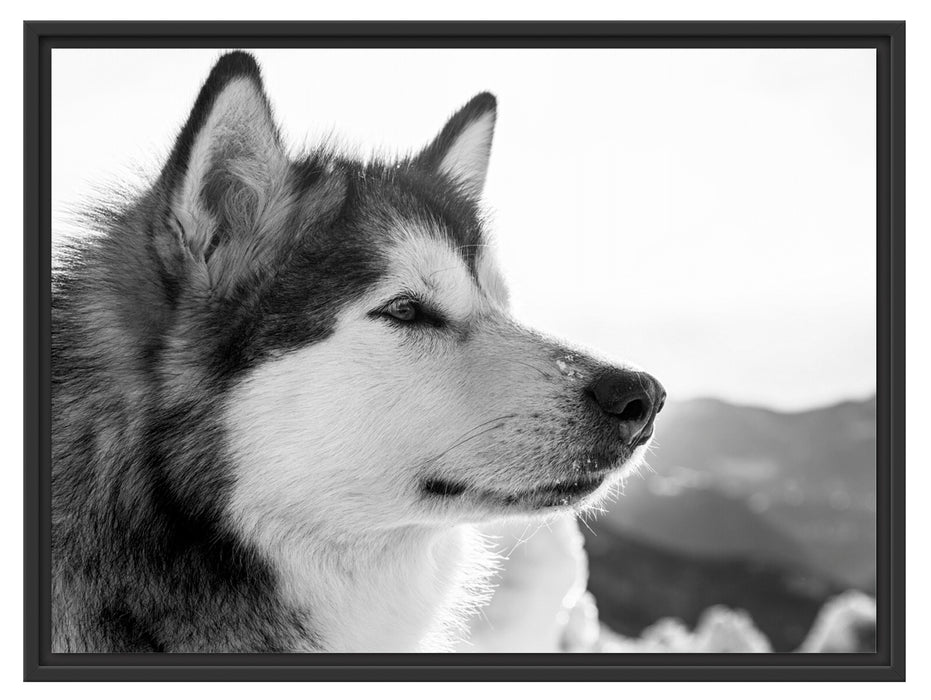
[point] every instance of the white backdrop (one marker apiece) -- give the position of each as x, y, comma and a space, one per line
709, 215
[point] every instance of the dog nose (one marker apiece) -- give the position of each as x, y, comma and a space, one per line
632, 399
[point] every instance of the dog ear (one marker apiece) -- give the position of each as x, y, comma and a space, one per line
462, 149
226, 160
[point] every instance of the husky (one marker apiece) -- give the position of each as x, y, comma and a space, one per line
287, 389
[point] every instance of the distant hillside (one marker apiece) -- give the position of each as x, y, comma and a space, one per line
635, 584
736, 481
699, 521
756, 449
751, 508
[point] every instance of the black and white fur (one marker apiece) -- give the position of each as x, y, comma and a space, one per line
284, 390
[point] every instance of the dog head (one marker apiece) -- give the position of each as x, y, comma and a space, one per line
353, 320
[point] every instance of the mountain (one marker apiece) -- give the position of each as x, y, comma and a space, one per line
636, 584
699, 520
760, 450
738, 481
751, 508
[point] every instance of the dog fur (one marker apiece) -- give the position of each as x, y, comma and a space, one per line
286, 389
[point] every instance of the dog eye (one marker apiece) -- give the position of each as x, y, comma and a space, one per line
404, 310
410, 312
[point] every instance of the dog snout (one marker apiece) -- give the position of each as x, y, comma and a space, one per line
631, 399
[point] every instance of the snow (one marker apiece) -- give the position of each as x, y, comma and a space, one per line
846, 623
542, 604
567, 369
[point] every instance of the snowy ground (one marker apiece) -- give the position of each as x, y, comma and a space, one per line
541, 605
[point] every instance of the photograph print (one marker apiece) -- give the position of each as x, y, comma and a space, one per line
463, 350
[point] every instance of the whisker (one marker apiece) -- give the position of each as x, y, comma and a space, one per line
588, 527
520, 541
528, 365
466, 436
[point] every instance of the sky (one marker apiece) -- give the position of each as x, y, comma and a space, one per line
706, 214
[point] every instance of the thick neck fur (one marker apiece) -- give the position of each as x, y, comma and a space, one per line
403, 590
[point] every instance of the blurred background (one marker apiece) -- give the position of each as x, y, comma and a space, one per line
706, 214
762, 511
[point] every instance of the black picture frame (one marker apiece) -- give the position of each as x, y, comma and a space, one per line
888, 40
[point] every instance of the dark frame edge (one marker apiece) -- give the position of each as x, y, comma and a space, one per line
450, 29
896, 336
469, 674
32, 670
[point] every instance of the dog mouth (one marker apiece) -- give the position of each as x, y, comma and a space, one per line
586, 476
